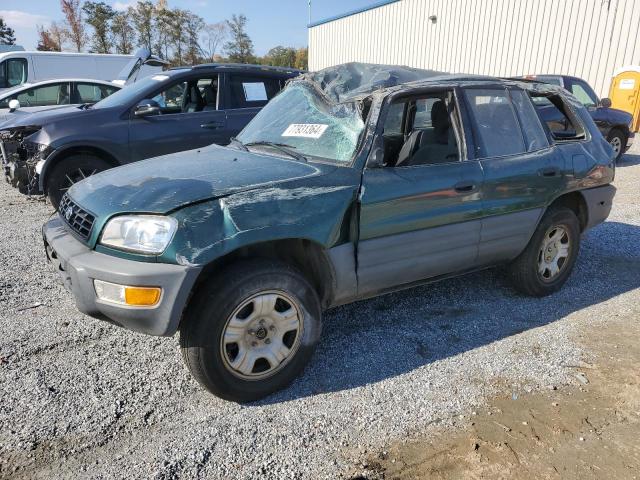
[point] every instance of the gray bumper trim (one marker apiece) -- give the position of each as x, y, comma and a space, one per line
79, 266
599, 201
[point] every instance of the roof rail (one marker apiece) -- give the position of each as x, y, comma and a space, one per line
247, 66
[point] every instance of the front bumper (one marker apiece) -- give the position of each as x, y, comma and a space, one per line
599, 201
79, 266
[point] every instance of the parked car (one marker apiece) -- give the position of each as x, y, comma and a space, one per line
52, 94
180, 109
353, 182
615, 125
21, 67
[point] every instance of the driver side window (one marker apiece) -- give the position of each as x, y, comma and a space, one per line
420, 131
196, 95
170, 100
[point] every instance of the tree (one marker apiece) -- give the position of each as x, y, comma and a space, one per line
281, 56
100, 15
193, 27
73, 22
302, 59
214, 35
7, 35
143, 16
122, 32
58, 35
240, 47
177, 21
45, 41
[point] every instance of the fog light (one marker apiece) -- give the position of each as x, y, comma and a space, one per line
126, 295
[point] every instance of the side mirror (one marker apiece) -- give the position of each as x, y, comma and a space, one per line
605, 103
14, 105
147, 108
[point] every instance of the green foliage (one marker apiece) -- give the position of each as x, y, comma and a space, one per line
100, 15
240, 47
7, 35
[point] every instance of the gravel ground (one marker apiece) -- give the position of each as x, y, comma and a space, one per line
81, 398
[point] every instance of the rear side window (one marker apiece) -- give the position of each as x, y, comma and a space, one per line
92, 92
534, 134
248, 91
496, 123
558, 117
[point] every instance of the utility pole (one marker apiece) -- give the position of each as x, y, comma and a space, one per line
309, 13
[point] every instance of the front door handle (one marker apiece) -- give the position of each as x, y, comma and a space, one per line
212, 125
464, 187
548, 171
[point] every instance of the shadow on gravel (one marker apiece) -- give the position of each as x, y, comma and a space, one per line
372, 340
628, 160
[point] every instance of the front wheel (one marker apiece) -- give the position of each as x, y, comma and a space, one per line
251, 330
547, 261
618, 142
69, 171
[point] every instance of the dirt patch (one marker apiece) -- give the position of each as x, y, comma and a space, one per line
588, 430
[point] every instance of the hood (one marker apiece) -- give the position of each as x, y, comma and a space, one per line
12, 117
41, 118
160, 185
620, 116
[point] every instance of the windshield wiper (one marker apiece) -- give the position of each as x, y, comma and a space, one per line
283, 147
85, 106
238, 143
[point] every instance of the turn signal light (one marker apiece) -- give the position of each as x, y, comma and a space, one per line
127, 295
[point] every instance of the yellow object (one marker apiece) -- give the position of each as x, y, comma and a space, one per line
142, 296
625, 92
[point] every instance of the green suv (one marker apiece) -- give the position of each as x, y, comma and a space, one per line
354, 181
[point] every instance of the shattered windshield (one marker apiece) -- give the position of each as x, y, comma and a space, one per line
300, 119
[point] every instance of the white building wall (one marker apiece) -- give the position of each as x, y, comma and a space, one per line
585, 38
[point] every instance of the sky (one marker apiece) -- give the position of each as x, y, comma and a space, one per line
270, 22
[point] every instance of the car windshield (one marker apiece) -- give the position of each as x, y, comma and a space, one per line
131, 92
301, 119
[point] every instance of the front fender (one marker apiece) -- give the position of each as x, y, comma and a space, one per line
57, 154
210, 230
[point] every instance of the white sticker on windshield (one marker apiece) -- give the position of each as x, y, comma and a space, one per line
308, 130
159, 78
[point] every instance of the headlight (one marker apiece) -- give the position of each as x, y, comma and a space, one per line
141, 234
37, 151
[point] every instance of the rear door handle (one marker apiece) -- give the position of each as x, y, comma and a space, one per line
212, 125
464, 187
548, 171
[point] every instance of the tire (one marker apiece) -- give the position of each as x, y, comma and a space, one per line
71, 170
229, 303
530, 273
618, 141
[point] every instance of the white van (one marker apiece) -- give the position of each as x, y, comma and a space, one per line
20, 67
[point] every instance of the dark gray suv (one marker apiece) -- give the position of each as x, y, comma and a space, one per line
177, 110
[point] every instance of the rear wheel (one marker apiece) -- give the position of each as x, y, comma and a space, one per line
548, 260
618, 141
71, 170
251, 330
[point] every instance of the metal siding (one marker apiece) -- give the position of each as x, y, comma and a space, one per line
585, 38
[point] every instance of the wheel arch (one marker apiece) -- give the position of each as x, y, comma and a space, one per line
309, 257
575, 202
60, 155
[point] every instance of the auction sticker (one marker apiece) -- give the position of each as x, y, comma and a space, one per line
308, 130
